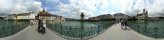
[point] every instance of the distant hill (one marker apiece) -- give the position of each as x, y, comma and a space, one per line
3, 15
70, 19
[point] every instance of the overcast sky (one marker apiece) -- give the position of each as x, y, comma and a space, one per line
73, 8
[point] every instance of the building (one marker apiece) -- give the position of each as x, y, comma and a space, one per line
119, 16
105, 16
143, 15
21, 16
93, 18
31, 15
47, 16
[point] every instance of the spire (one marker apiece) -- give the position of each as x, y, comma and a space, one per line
144, 10
82, 14
43, 10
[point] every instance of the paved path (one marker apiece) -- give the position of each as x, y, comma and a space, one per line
30, 33
116, 33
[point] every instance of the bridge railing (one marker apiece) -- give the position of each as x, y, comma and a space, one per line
8, 28
78, 32
150, 31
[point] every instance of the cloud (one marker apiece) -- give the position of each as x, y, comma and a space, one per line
73, 8
154, 7
157, 8
19, 6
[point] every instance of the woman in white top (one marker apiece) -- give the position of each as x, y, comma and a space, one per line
44, 23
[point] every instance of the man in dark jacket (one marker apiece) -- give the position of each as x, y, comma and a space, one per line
125, 24
40, 25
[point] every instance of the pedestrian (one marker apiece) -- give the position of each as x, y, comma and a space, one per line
31, 23
122, 23
115, 22
126, 24
39, 25
44, 26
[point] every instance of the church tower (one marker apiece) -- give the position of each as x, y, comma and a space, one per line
82, 16
145, 13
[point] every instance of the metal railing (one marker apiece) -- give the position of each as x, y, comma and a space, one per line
78, 32
150, 31
10, 27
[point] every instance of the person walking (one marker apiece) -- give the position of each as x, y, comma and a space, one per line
126, 25
31, 22
44, 27
39, 25
122, 23
115, 22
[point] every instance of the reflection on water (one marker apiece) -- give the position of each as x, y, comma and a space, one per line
154, 29
8, 28
78, 29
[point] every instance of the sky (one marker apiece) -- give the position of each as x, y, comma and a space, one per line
90, 8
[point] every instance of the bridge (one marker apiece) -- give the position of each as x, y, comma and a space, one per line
113, 33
